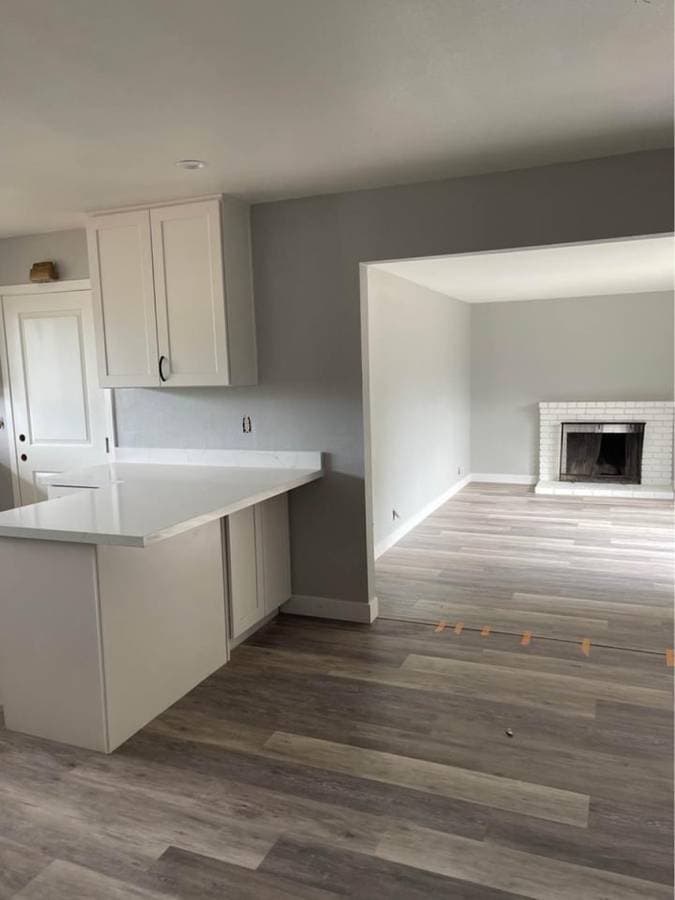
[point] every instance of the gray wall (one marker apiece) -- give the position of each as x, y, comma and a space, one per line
67, 248
306, 255
589, 348
419, 397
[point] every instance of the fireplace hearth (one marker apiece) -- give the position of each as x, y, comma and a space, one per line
602, 452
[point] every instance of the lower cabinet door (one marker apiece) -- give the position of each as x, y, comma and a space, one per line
274, 548
259, 562
246, 605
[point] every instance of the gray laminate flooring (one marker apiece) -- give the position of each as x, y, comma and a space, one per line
569, 568
337, 760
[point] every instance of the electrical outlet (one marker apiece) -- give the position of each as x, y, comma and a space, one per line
246, 425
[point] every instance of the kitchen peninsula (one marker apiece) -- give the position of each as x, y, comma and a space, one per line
130, 584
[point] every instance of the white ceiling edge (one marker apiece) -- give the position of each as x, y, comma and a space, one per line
630, 265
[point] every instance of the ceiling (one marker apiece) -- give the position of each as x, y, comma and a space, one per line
633, 266
287, 98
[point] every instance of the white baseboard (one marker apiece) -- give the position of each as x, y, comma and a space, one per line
497, 478
410, 523
332, 608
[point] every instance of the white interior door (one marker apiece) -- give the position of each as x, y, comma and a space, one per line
60, 416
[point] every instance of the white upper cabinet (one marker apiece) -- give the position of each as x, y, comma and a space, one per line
174, 295
120, 264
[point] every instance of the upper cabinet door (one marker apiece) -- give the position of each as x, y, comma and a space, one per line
120, 263
190, 294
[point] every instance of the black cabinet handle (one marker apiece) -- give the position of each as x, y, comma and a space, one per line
22, 437
161, 373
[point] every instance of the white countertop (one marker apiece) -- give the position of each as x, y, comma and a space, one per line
136, 504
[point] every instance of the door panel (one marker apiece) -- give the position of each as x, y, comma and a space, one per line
245, 600
55, 385
190, 294
275, 550
59, 412
120, 261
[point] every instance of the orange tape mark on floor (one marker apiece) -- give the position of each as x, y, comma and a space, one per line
459, 628
526, 638
586, 646
670, 657
485, 631
441, 627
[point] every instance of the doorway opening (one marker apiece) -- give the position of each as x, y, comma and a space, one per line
459, 352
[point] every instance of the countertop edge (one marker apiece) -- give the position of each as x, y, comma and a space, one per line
222, 512
145, 540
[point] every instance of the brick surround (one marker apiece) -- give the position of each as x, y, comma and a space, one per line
657, 455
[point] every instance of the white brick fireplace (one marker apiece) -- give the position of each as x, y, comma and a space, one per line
657, 452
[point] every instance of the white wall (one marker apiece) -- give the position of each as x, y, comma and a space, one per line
419, 398
584, 348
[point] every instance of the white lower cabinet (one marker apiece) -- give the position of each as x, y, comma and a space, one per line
257, 548
96, 641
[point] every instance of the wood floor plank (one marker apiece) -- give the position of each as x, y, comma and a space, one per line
72, 816
529, 755
337, 789
572, 606
66, 881
644, 734
562, 702
537, 877
19, 864
281, 690
475, 787
616, 840
183, 720
330, 641
502, 619
192, 876
547, 683
59, 832
356, 875
656, 676
269, 811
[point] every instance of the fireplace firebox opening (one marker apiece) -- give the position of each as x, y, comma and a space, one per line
602, 451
